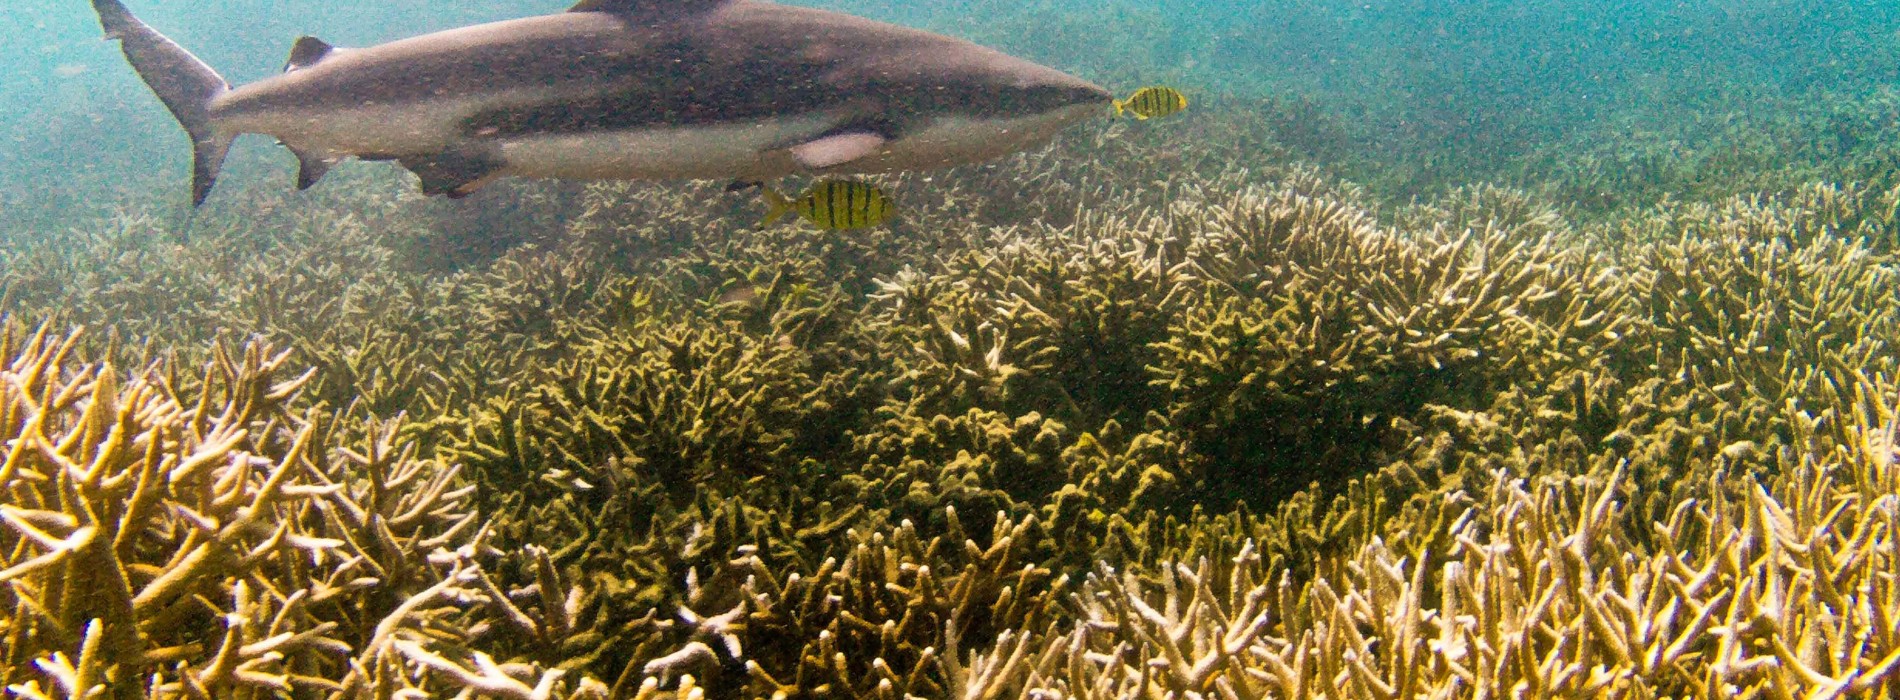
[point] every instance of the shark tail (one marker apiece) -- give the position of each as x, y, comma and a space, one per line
778, 205
185, 84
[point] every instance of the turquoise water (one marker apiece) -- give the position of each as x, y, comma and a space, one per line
1496, 77
1312, 332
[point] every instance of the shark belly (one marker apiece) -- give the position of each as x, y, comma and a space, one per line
953, 140
752, 150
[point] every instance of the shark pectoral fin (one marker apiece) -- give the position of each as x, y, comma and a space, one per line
311, 167
836, 149
456, 172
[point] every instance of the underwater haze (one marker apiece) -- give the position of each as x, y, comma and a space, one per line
1447, 349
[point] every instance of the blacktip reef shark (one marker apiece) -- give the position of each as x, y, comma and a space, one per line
746, 90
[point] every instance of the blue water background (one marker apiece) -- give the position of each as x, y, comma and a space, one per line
1496, 76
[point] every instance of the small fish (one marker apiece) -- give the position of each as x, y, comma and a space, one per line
834, 205
1151, 102
740, 294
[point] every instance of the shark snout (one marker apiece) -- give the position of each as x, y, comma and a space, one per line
1040, 90
1059, 89
1075, 100
1087, 93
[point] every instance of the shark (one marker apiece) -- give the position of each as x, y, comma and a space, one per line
746, 90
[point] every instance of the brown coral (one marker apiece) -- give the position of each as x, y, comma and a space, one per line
1064, 428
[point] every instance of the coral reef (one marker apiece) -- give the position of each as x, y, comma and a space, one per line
1162, 421
222, 543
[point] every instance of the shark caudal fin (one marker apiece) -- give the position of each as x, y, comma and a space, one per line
185, 84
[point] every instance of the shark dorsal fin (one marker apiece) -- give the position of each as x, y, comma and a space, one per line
306, 52
646, 6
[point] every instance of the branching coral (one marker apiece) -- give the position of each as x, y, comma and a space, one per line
681, 401
659, 453
886, 621
213, 545
1541, 592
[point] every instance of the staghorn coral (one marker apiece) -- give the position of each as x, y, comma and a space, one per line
657, 453
1313, 310
887, 619
216, 545
680, 401
1542, 590
1767, 306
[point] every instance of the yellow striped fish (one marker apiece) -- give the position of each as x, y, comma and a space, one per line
1152, 101
833, 205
